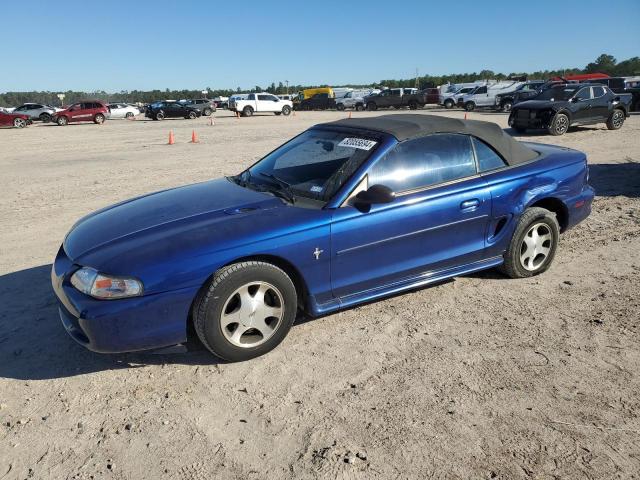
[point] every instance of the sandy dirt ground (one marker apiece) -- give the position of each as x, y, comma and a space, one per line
479, 377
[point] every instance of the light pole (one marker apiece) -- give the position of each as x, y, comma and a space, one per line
287, 82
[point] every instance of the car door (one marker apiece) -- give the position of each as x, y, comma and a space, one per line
582, 106
77, 112
437, 220
264, 103
600, 104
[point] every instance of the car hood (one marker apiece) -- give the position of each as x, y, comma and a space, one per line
541, 104
129, 227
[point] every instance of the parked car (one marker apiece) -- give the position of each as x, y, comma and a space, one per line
287, 96
36, 111
221, 102
397, 98
431, 95
162, 110
450, 99
338, 216
504, 101
94, 111
259, 103
320, 101
564, 106
354, 99
206, 106
10, 119
123, 110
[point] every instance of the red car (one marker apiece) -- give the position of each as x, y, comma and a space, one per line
17, 120
87, 111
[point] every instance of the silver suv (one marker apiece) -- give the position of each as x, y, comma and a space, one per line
206, 106
354, 99
37, 111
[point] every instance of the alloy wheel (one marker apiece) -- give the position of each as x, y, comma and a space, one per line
252, 314
618, 119
536, 246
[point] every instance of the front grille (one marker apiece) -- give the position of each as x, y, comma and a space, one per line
522, 114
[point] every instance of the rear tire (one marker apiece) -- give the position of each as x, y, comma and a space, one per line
559, 125
413, 106
615, 120
160, 115
128, 115
506, 106
340, 107
245, 311
448, 104
359, 107
469, 106
533, 245
192, 115
45, 117
372, 107
247, 111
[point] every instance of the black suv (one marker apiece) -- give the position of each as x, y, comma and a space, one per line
162, 110
206, 106
562, 106
504, 101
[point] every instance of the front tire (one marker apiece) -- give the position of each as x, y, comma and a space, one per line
286, 110
340, 107
359, 107
533, 245
616, 120
62, 121
45, 117
192, 115
128, 115
207, 111
19, 122
160, 115
372, 107
469, 106
98, 119
413, 106
506, 106
559, 125
245, 311
448, 104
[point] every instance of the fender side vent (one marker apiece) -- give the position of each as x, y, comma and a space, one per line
500, 225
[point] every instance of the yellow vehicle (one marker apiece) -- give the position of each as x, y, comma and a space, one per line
310, 92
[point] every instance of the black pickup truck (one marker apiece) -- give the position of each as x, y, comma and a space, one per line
564, 106
396, 98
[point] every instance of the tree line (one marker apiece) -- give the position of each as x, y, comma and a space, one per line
604, 64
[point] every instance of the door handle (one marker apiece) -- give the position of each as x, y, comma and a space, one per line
469, 205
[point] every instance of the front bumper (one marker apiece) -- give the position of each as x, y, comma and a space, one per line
124, 325
524, 118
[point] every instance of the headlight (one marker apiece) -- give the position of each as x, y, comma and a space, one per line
90, 282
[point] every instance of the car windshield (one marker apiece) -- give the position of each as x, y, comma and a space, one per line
558, 93
314, 165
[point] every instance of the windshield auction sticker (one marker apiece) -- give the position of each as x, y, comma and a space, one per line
360, 143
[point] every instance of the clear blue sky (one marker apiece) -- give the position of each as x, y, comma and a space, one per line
146, 44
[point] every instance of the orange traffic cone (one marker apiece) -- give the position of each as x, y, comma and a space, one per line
194, 136
171, 139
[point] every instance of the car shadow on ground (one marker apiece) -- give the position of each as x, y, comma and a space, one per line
616, 179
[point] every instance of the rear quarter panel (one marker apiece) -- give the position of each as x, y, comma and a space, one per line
558, 174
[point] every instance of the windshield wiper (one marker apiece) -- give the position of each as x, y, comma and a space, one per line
285, 187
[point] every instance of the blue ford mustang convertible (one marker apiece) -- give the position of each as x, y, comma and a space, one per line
344, 213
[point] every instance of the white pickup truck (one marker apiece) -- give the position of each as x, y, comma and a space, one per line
258, 103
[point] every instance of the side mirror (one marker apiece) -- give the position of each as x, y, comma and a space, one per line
375, 194
575, 99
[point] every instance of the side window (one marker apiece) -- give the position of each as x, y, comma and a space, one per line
584, 94
481, 90
251, 96
424, 161
263, 97
598, 92
487, 158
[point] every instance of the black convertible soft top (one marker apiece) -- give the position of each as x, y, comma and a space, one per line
407, 126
